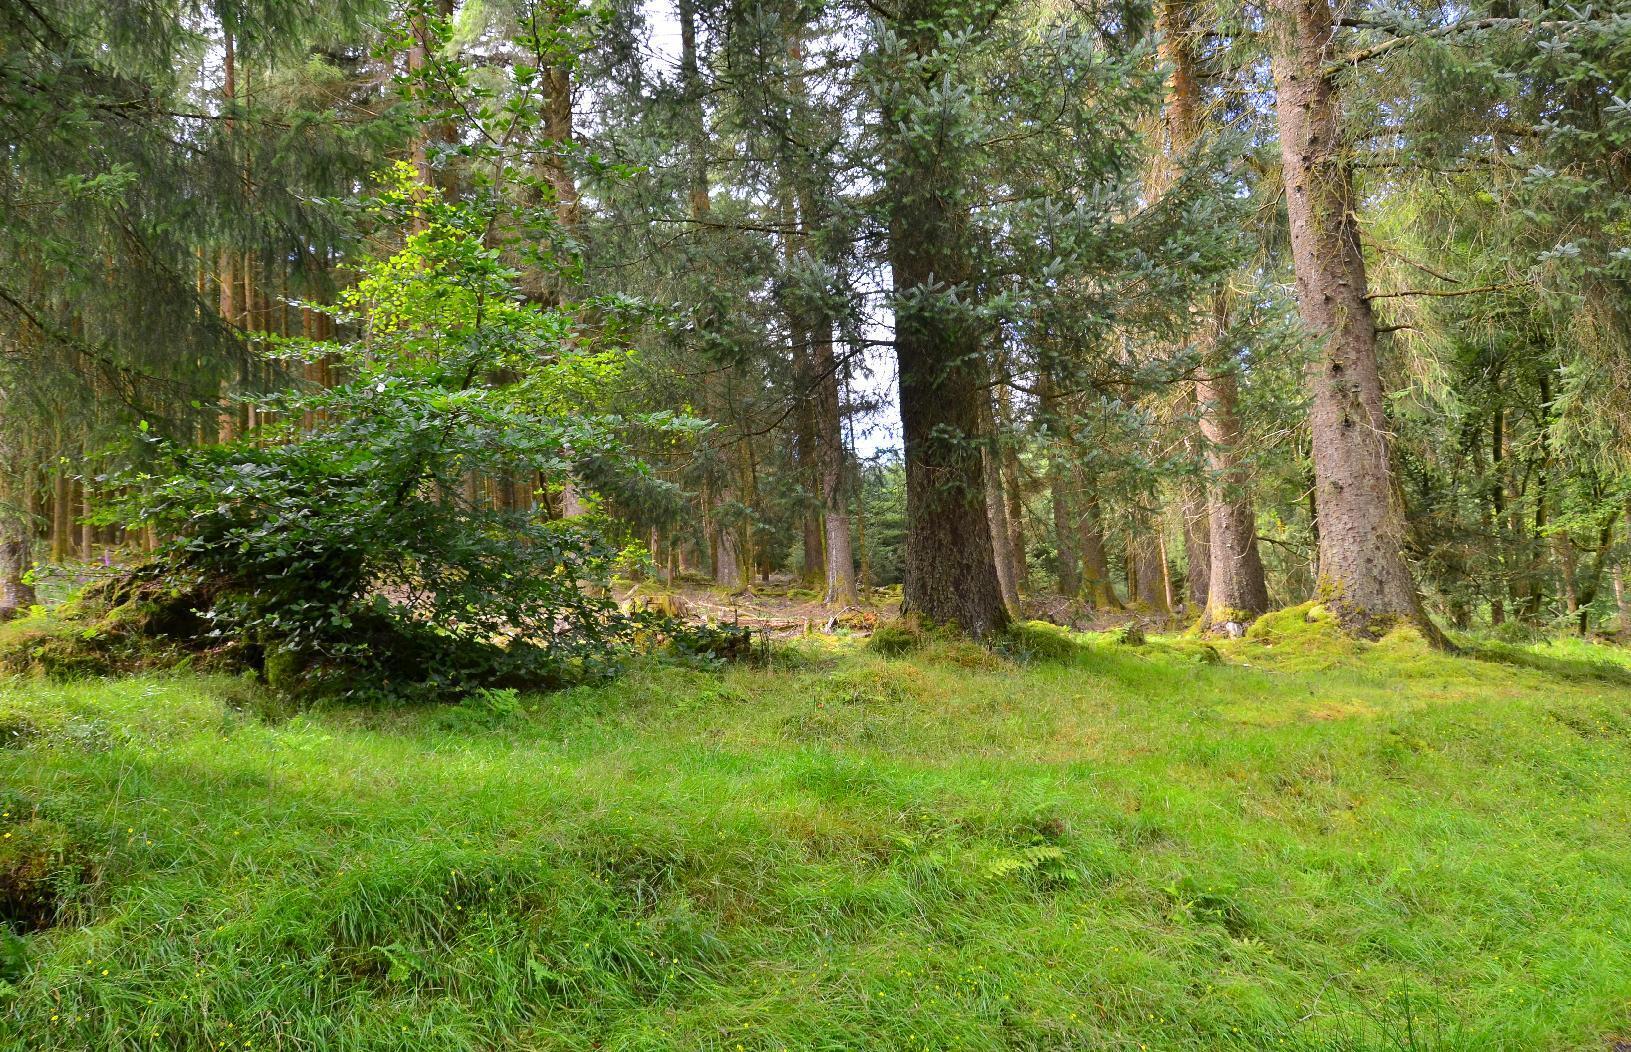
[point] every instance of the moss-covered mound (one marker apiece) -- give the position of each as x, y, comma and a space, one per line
130, 623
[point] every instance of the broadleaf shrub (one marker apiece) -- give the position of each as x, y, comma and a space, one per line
350, 544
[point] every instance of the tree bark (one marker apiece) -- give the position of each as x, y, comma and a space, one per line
951, 572
61, 515
1237, 593
1098, 589
1232, 591
829, 419
1364, 577
1149, 568
1012, 495
1192, 506
1068, 558
1497, 516
1622, 600
16, 559
1061, 474
997, 514
16, 535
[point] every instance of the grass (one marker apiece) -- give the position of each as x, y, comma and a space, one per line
1309, 845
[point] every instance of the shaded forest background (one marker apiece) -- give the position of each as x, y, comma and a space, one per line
1192, 308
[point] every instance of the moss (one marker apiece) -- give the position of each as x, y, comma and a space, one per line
39, 862
901, 636
1307, 624
1041, 641
1404, 637
963, 653
286, 671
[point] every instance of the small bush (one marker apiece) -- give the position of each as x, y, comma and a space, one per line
710, 646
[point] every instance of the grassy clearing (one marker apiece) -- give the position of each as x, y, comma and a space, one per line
1308, 845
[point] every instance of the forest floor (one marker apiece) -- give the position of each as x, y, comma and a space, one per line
1286, 842
783, 607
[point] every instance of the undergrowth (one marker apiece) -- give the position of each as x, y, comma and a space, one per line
1280, 842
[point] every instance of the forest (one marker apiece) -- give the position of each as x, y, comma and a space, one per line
815, 524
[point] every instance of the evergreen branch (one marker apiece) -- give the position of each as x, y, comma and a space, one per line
1503, 287
1464, 26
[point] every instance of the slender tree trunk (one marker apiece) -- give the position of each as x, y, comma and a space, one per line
1231, 592
1237, 592
723, 542
16, 534
1011, 492
1497, 516
1061, 474
1197, 544
1567, 570
61, 491
87, 531
1098, 589
1067, 560
1149, 565
997, 513
1364, 577
16, 559
1622, 600
840, 561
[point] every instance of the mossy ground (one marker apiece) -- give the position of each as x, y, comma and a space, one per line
1308, 844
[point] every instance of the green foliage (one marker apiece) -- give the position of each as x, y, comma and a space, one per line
353, 543
709, 646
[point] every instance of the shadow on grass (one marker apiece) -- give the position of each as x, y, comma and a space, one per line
1572, 669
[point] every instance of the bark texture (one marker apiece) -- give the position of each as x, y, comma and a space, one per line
1231, 592
1364, 577
951, 572
1197, 544
1068, 558
1237, 593
16, 556
840, 567
1011, 491
1001, 542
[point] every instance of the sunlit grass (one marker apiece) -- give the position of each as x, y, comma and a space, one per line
1306, 846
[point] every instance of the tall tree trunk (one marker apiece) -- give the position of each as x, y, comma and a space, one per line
1364, 577
1622, 600
61, 515
1149, 568
16, 559
1232, 591
1497, 516
1062, 473
723, 542
1567, 571
16, 533
951, 572
87, 531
